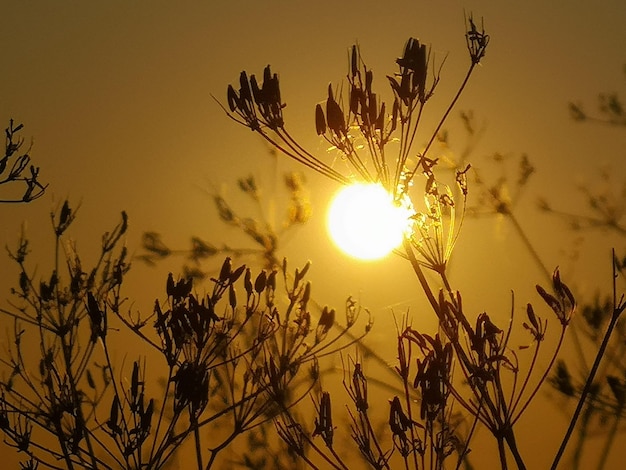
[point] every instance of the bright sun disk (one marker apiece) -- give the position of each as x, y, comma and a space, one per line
365, 223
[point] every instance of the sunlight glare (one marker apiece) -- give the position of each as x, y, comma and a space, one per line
364, 222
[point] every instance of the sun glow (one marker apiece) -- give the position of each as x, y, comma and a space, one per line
365, 223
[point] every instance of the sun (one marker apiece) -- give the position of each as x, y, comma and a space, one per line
365, 223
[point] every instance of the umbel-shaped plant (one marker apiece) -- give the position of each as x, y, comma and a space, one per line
469, 362
232, 359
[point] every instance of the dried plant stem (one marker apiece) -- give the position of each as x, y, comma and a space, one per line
310, 442
541, 380
196, 436
502, 453
445, 116
507, 212
410, 414
420, 276
509, 436
618, 308
501, 428
463, 454
67, 358
217, 449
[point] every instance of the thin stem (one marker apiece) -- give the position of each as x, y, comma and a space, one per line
421, 278
617, 310
196, 438
586, 389
543, 377
502, 453
445, 116
217, 449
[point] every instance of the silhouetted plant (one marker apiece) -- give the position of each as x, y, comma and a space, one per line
247, 353
233, 359
16, 168
609, 106
494, 390
50, 392
263, 232
602, 411
603, 211
605, 206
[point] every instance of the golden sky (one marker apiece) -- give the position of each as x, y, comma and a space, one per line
116, 96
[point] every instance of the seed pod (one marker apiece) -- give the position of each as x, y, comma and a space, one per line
355, 99
259, 283
66, 214
320, 120
334, 116
373, 108
354, 60
247, 283
170, 285
369, 78
226, 270
233, 99
113, 417
24, 283
244, 90
552, 302
326, 321
306, 295
236, 274
531, 316
146, 417
300, 274
97, 317
380, 121
232, 297
256, 91
90, 381
271, 280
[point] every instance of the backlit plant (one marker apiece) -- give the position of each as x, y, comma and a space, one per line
491, 386
250, 351
16, 169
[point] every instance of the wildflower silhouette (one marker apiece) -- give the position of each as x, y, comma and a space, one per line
13, 169
234, 359
247, 352
487, 381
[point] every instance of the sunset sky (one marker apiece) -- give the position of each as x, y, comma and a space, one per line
117, 98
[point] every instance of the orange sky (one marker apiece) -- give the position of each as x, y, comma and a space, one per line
117, 98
